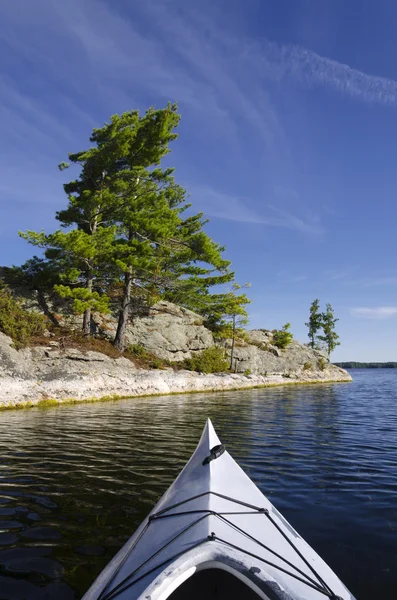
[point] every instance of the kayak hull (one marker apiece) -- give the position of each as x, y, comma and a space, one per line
214, 518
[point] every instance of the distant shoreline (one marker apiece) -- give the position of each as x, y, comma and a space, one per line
366, 365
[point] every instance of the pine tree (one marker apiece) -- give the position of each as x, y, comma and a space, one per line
235, 314
194, 266
330, 337
125, 229
156, 249
315, 322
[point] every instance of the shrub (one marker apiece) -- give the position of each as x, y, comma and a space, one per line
247, 372
139, 351
307, 366
322, 363
16, 322
282, 337
144, 358
156, 363
211, 360
242, 335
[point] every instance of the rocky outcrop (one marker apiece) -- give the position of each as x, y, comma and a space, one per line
261, 356
30, 376
174, 333
167, 331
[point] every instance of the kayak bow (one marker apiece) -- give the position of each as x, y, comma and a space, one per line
215, 535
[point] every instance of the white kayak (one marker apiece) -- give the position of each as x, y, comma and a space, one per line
214, 535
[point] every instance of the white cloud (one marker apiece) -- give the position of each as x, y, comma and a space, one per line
94, 58
310, 69
379, 281
380, 312
171, 51
235, 208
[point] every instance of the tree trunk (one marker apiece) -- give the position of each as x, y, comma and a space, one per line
119, 340
87, 312
233, 341
90, 279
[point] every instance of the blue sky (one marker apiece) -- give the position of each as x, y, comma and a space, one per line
287, 141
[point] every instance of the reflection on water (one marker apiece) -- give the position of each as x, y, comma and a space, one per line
75, 481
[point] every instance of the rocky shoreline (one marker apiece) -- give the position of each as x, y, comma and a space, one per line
52, 372
45, 375
26, 393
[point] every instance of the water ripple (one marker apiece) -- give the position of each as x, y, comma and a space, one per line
75, 481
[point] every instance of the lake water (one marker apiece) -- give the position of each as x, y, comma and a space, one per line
75, 481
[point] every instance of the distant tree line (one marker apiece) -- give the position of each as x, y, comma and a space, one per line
367, 365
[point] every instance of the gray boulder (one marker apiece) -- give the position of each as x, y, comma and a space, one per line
290, 361
168, 331
13, 362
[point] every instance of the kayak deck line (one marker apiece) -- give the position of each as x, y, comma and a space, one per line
203, 539
256, 510
126, 583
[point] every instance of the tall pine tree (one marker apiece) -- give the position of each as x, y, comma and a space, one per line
330, 337
315, 322
124, 225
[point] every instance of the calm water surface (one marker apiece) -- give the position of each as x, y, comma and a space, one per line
75, 481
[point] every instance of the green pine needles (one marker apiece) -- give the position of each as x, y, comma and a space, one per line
324, 321
124, 232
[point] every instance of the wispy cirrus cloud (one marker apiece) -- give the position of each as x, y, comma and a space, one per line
380, 281
96, 57
183, 56
380, 312
234, 208
371, 281
169, 50
311, 70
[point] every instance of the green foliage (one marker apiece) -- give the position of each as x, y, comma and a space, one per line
47, 402
139, 351
325, 321
84, 299
282, 337
330, 337
124, 230
230, 316
247, 372
211, 360
35, 273
156, 363
315, 322
307, 366
80, 260
227, 311
322, 364
19, 324
146, 358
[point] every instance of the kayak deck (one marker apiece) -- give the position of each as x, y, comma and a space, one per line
214, 529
